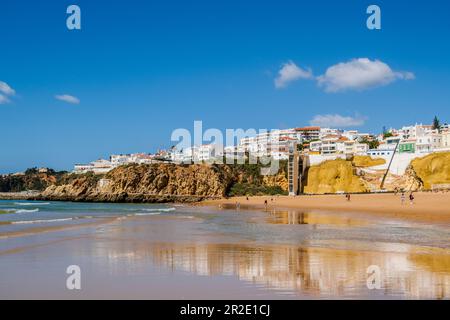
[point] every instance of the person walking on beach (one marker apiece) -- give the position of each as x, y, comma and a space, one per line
403, 198
411, 198
265, 204
348, 196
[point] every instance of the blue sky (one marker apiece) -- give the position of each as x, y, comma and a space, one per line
141, 69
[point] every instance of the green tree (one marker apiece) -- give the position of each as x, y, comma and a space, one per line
387, 135
436, 123
373, 144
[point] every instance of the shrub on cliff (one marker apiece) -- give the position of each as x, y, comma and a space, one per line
246, 189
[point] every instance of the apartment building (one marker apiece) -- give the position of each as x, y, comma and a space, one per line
309, 133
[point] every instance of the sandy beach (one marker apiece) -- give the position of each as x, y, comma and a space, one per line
428, 207
150, 251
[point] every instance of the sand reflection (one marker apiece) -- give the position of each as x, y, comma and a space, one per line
296, 217
311, 271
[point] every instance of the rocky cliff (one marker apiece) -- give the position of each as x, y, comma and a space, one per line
189, 183
333, 176
146, 183
31, 179
357, 176
432, 169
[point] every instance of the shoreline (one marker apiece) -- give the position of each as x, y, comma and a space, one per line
45, 229
428, 207
108, 198
23, 195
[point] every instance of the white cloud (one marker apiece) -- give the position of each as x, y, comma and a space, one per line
290, 72
360, 74
4, 99
68, 98
6, 89
5, 92
337, 121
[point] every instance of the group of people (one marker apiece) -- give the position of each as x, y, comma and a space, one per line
238, 204
403, 198
348, 198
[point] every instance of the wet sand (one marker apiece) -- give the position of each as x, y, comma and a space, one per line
428, 207
205, 253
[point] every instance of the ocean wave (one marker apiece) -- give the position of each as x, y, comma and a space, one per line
141, 214
41, 221
147, 214
151, 209
26, 211
31, 203
160, 210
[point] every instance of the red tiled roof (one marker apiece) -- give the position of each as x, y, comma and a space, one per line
308, 129
286, 138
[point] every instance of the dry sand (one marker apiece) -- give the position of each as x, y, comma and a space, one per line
428, 207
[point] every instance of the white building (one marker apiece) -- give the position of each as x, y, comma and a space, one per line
309, 133
380, 153
119, 159
429, 142
103, 166
446, 139
329, 131
391, 142
203, 153
97, 167
209, 152
338, 144
274, 143
315, 146
353, 147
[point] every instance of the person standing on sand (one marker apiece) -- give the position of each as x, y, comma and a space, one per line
403, 198
265, 204
411, 198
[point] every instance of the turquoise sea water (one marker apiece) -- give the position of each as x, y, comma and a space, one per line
17, 215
